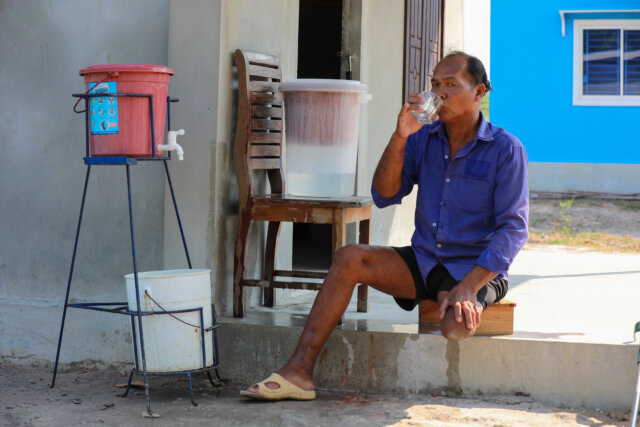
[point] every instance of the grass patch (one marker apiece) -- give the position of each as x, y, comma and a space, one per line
596, 241
484, 105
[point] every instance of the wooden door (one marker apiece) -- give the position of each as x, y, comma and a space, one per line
423, 43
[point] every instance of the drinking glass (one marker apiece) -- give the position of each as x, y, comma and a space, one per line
431, 105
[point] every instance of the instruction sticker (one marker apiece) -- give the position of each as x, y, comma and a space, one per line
104, 109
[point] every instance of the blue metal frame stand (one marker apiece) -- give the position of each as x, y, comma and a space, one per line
122, 307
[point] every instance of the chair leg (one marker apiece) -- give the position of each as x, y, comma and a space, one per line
364, 236
270, 261
239, 264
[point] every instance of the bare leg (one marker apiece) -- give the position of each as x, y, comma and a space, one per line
377, 266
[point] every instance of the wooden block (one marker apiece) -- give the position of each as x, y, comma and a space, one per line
497, 319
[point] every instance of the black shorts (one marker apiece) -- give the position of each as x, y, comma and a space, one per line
439, 279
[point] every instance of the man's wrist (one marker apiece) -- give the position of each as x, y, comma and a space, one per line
397, 135
469, 287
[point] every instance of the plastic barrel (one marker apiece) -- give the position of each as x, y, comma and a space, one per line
322, 126
121, 126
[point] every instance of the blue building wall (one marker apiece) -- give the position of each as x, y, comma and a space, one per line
532, 76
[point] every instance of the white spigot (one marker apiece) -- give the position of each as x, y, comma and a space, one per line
172, 144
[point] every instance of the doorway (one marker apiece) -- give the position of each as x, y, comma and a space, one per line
328, 48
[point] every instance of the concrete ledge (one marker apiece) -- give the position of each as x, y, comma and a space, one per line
29, 332
560, 373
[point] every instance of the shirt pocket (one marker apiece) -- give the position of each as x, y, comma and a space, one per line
474, 194
478, 169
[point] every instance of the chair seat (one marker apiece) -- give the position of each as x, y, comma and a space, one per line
330, 202
311, 210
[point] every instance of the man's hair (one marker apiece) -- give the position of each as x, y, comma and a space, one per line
475, 68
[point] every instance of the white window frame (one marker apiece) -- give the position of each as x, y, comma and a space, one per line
599, 100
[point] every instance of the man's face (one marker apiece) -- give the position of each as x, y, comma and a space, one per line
455, 86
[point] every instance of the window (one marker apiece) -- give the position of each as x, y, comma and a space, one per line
606, 62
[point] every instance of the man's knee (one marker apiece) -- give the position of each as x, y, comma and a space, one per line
453, 330
350, 260
348, 256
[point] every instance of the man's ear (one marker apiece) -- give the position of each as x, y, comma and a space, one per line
480, 90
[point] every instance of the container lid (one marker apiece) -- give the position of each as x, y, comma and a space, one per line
131, 68
323, 85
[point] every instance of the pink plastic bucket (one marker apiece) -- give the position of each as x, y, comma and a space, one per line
121, 126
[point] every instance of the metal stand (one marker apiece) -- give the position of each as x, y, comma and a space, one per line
122, 307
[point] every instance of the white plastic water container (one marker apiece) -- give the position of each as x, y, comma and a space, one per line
169, 344
322, 119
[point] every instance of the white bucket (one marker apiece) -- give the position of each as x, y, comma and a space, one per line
169, 344
322, 119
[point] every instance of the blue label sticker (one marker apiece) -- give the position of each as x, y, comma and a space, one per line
103, 110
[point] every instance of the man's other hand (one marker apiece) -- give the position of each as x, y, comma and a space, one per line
465, 306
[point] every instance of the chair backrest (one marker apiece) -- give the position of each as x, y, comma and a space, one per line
258, 142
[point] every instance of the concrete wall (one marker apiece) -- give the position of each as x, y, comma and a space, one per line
477, 33
453, 22
467, 28
533, 99
43, 44
203, 37
381, 70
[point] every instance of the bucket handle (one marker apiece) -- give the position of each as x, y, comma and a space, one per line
148, 294
89, 90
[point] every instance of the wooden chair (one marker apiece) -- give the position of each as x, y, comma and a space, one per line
497, 319
258, 147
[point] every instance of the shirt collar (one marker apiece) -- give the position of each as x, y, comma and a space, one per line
484, 132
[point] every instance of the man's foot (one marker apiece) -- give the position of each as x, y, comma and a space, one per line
276, 387
292, 376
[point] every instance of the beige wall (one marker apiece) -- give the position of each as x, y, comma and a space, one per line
381, 71
453, 23
203, 35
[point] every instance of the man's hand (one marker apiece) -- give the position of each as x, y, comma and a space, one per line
407, 124
465, 303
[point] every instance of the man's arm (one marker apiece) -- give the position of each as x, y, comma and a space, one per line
387, 178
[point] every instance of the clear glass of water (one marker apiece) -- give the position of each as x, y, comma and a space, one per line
431, 105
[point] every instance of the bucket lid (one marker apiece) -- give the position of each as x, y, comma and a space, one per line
323, 85
131, 68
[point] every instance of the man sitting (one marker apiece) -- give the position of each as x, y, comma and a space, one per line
470, 222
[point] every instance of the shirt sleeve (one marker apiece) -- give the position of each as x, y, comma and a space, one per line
511, 204
409, 177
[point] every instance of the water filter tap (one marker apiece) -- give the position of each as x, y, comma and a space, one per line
172, 145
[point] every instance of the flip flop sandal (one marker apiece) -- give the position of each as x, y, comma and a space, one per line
287, 390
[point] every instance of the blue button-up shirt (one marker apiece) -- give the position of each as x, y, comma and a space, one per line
470, 210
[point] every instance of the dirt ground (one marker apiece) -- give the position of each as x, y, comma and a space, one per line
89, 397
613, 216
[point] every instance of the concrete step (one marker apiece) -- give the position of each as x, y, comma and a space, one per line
371, 357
